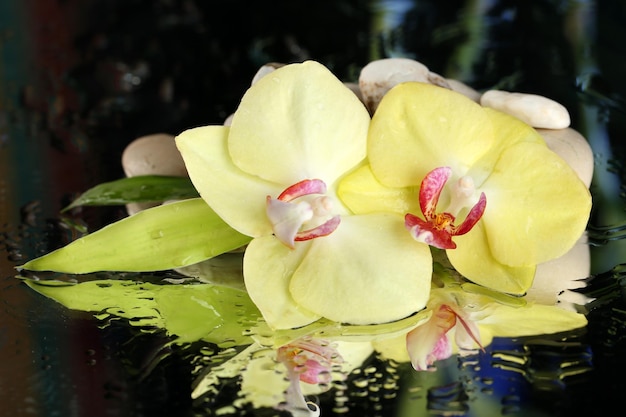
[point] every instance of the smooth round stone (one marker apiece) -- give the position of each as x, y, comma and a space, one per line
536, 110
555, 279
152, 155
438, 80
573, 148
354, 87
464, 89
132, 208
264, 70
378, 77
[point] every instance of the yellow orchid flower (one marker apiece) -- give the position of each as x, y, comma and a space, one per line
272, 175
476, 182
467, 317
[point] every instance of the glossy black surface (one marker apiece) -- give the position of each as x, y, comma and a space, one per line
80, 80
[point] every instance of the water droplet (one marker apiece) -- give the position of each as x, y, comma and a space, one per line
511, 399
361, 382
341, 410
370, 370
448, 399
510, 409
487, 381
374, 387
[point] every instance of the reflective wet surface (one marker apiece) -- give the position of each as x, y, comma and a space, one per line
80, 80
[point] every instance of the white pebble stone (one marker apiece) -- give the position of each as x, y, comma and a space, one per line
536, 110
354, 87
152, 155
229, 120
438, 80
573, 148
264, 70
378, 77
132, 208
464, 89
555, 279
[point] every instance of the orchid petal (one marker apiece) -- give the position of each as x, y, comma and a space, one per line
430, 190
298, 122
418, 127
259, 385
268, 268
538, 207
367, 271
533, 319
238, 198
362, 193
467, 334
428, 342
473, 259
509, 131
473, 216
393, 348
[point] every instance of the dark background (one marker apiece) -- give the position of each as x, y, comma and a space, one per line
79, 80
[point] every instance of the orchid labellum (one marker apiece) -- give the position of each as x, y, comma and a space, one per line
438, 228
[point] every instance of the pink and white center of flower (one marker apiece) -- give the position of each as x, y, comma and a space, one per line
302, 212
311, 359
438, 228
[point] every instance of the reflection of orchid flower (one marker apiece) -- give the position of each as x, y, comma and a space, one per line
308, 360
470, 321
471, 180
272, 175
285, 377
466, 318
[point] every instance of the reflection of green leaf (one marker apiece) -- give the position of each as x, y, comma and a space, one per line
146, 188
160, 238
189, 312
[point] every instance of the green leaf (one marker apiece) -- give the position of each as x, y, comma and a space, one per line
145, 188
160, 238
188, 312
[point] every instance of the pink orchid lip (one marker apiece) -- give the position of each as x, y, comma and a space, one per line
312, 359
323, 229
309, 360
287, 216
438, 228
302, 188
